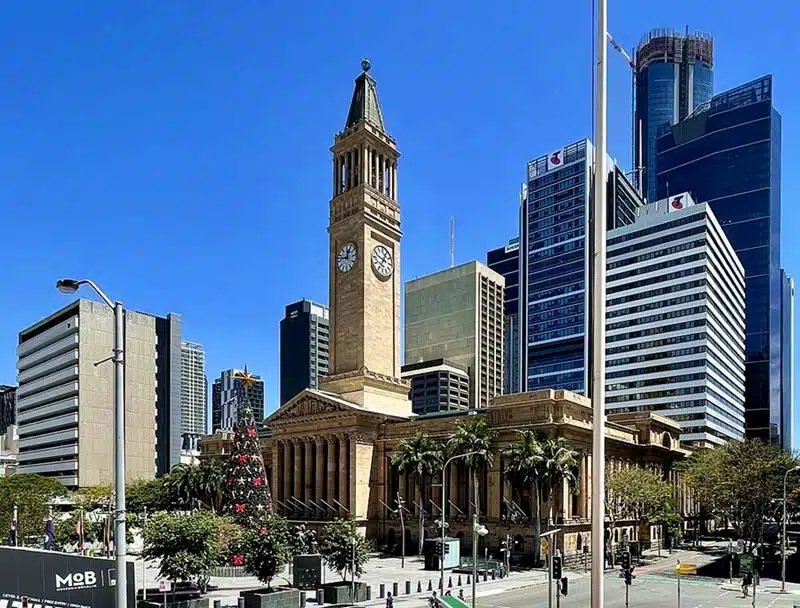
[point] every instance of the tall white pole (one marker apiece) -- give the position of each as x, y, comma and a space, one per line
119, 455
598, 296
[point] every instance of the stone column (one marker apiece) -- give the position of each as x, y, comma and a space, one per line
395, 181
344, 468
308, 473
492, 507
365, 166
273, 482
319, 461
331, 489
287, 472
297, 466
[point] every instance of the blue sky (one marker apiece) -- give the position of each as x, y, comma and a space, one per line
177, 152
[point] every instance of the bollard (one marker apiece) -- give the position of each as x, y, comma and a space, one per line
419, 586
450, 582
430, 586
320, 596
302, 599
382, 591
369, 593
408, 587
494, 574
485, 575
394, 589
459, 580
469, 579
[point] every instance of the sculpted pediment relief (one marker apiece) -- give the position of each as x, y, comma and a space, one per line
310, 406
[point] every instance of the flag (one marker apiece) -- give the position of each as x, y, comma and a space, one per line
12, 533
49, 533
79, 531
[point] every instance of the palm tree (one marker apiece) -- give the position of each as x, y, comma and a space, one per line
474, 435
558, 463
193, 485
422, 457
523, 465
181, 482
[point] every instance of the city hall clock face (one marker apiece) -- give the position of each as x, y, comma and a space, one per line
346, 258
382, 262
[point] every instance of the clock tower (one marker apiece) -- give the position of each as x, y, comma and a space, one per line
364, 262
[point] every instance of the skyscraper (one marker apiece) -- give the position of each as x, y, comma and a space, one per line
674, 75
505, 261
305, 338
555, 264
728, 153
457, 314
225, 401
675, 321
193, 393
8, 407
65, 395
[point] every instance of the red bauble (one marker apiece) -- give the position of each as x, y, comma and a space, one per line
251, 432
239, 508
238, 560
257, 481
242, 458
229, 481
263, 531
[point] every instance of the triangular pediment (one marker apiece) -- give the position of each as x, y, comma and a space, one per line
312, 404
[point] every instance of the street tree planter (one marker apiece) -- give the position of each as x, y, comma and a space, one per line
278, 597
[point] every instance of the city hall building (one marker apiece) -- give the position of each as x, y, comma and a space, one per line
328, 450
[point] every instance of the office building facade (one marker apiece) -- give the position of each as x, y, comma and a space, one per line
228, 397
194, 394
304, 345
787, 360
555, 264
66, 394
674, 76
457, 314
438, 385
728, 154
676, 321
505, 261
8, 407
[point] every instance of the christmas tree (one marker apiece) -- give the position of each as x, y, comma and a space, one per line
246, 487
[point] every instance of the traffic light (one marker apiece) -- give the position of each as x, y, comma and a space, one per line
564, 585
556, 567
446, 548
626, 560
439, 548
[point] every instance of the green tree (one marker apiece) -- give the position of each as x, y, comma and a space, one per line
559, 463
92, 497
230, 537
267, 548
67, 533
339, 543
738, 482
197, 486
422, 457
184, 545
474, 435
642, 495
31, 494
152, 494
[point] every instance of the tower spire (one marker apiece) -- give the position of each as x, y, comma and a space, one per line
365, 104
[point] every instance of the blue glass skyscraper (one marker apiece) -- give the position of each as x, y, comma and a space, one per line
505, 260
554, 264
674, 75
728, 153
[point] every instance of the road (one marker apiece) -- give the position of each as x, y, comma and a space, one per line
654, 587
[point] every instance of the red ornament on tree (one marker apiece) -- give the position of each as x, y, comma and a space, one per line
263, 531
242, 458
251, 432
238, 560
257, 481
239, 508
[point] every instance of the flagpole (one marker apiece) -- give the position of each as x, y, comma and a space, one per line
15, 527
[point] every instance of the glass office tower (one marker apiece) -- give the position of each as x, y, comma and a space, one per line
554, 264
728, 153
505, 261
674, 75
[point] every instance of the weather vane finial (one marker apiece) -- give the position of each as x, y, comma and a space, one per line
365, 64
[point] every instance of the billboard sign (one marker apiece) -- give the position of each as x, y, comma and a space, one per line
555, 160
52, 580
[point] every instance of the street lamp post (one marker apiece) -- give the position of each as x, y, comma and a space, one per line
783, 535
71, 286
444, 503
478, 530
353, 573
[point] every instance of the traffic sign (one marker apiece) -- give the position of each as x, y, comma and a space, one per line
164, 586
545, 546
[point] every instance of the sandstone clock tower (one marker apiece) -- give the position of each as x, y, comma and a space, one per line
364, 263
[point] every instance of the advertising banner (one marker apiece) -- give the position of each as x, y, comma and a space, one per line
49, 579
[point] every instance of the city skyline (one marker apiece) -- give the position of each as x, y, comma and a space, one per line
229, 342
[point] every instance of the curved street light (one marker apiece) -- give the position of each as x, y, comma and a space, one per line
71, 286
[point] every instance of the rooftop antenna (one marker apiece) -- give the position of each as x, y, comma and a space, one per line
452, 241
